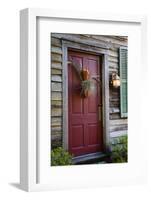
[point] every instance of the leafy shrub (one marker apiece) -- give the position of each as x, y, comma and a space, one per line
119, 150
60, 157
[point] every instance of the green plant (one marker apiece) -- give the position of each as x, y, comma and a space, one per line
86, 86
119, 150
60, 157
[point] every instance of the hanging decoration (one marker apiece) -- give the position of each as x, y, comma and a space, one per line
84, 76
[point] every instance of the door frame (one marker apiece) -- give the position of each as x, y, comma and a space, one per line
100, 51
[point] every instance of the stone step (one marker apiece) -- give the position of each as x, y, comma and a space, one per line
93, 158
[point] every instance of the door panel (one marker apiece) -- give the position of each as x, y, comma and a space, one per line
77, 136
93, 133
85, 129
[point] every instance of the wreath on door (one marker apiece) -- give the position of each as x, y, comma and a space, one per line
85, 81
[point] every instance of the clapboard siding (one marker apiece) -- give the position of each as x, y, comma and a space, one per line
56, 103
113, 59
113, 53
112, 44
56, 130
56, 112
56, 78
56, 121
114, 94
56, 71
55, 42
113, 65
118, 125
56, 57
56, 87
83, 39
56, 50
56, 65
56, 96
56, 92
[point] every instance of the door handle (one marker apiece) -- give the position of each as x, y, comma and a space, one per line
99, 112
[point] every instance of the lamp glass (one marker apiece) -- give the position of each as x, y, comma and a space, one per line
116, 83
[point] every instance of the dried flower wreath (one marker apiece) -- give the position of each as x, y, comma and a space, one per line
84, 76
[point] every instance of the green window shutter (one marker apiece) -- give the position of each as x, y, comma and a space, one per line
123, 77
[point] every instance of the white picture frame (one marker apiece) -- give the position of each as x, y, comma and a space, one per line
34, 146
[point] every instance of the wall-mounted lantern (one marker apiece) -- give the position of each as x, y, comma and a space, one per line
115, 80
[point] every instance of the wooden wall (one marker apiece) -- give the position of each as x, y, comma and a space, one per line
113, 43
56, 94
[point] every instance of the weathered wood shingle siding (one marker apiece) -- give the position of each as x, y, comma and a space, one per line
56, 92
112, 43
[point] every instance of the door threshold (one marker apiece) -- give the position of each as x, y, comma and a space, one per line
91, 158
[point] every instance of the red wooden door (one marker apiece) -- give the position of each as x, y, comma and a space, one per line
85, 127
